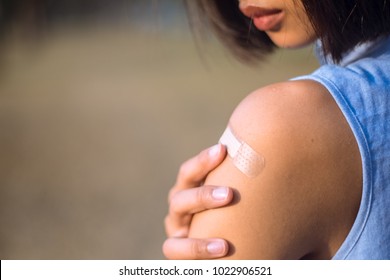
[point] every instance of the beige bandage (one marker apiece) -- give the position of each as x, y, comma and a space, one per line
247, 160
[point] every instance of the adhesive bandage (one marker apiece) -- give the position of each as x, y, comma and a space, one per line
247, 160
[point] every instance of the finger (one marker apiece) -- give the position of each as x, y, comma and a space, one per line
187, 202
175, 227
193, 171
194, 249
199, 199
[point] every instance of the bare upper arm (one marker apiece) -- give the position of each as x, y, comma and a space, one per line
306, 198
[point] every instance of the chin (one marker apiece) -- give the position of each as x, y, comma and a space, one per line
292, 41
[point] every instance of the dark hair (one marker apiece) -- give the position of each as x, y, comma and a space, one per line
340, 25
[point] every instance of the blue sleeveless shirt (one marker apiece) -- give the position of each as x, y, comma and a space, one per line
360, 85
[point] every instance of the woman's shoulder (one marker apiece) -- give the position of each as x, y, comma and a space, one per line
306, 197
294, 94
294, 110
307, 142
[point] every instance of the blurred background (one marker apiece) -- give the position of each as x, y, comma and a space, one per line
100, 102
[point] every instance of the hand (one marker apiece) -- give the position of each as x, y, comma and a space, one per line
188, 197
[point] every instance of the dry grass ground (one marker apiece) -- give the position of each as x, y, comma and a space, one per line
94, 123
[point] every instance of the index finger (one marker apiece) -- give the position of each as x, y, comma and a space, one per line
193, 172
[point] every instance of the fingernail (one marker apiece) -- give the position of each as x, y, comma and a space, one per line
215, 150
220, 193
216, 248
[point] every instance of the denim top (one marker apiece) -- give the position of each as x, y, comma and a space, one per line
360, 85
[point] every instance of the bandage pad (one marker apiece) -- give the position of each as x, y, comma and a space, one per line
247, 160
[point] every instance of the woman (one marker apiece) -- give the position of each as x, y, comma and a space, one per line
322, 188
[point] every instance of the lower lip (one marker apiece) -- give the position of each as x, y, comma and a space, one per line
268, 22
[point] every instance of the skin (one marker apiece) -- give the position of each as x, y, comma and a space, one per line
293, 31
188, 197
304, 202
